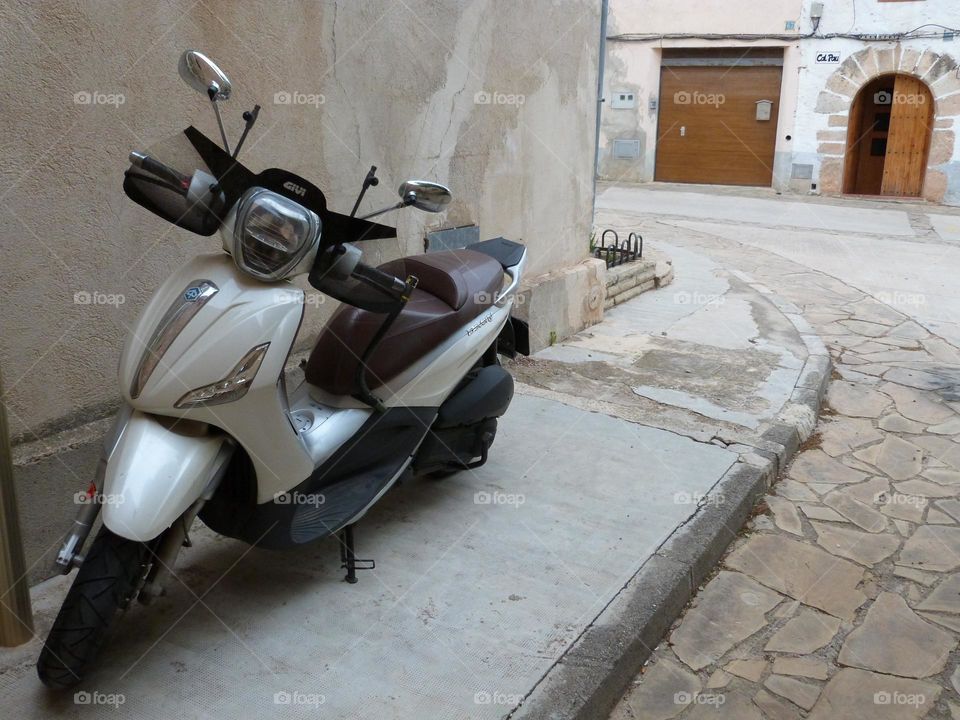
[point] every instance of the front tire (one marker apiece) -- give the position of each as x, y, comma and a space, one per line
106, 582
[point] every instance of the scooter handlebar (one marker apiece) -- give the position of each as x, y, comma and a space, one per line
155, 167
384, 281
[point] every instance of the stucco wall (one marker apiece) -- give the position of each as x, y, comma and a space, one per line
399, 85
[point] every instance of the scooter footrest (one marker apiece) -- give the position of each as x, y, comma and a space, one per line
359, 564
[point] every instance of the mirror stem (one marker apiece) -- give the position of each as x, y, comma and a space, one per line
212, 94
249, 117
401, 204
369, 181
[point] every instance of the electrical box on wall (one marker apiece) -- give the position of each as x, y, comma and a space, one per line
623, 99
451, 238
764, 109
626, 149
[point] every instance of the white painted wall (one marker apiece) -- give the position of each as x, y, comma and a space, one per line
872, 18
701, 16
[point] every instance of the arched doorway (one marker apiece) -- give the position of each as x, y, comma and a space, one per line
888, 137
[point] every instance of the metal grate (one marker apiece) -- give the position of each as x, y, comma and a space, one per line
626, 149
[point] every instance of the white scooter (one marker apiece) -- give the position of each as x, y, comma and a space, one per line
403, 380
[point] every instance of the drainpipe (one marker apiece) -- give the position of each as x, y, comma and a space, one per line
604, 10
16, 618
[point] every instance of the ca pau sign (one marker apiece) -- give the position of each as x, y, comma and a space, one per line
828, 57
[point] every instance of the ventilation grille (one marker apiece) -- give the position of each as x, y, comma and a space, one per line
626, 149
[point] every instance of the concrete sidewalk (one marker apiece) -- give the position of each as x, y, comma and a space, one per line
629, 458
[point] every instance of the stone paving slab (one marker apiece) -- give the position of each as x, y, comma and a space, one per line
918, 286
870, 573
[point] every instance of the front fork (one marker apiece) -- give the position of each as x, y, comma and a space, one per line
70, 556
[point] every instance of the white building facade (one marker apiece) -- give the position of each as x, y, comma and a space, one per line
854, 97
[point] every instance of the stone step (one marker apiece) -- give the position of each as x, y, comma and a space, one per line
622, 297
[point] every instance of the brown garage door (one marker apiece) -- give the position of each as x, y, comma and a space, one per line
709, 129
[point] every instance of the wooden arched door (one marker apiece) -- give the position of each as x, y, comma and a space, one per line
888, 137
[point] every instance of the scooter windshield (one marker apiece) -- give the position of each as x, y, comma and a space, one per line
197, 182
165, 189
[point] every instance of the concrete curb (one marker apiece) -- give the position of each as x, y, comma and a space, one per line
595, 672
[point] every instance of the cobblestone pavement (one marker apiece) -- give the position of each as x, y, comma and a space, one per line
841, 599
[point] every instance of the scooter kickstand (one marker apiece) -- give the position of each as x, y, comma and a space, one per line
348, 556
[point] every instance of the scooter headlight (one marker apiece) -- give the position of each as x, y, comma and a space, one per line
272, 234
233, 387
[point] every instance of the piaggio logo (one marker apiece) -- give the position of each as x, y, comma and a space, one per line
294, 188
191, 294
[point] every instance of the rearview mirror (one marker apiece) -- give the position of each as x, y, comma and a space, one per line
202, 74
424, 195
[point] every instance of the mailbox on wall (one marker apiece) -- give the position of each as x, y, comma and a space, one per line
764, 109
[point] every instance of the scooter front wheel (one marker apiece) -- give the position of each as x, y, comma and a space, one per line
106, 581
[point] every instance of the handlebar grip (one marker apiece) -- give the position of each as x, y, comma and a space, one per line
385, 281
155, 167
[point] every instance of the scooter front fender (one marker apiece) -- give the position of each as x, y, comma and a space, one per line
155, 472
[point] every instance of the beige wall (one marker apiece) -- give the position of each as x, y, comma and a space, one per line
399, 83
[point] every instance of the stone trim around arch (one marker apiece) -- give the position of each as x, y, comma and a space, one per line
938, 71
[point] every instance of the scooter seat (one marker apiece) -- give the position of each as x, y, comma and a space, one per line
454, 286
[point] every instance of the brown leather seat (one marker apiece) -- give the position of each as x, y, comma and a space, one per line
454, 287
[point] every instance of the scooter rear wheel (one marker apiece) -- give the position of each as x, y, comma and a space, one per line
105, 583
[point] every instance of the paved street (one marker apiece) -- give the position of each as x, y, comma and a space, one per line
841, 600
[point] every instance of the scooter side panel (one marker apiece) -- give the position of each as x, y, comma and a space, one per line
336, 494
153, 475
431, 381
